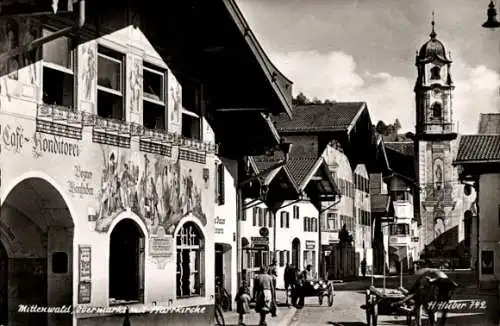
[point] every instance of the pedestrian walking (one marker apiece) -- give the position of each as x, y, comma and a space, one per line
243, 303
264, 290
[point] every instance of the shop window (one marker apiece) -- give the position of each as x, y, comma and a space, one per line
58, 71
110, 90
59, 262
154, 104
220, 184
191, 112
296, 212
190, 261
126, 263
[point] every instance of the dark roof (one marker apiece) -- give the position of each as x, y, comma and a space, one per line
474, 148
375, 183
489, 123
379, 203
320, 117
263, 162
300, 167
403, 148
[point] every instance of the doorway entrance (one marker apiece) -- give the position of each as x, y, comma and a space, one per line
219, 263
38, 230
126, 262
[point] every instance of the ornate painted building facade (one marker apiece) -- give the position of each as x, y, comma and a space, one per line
109, 184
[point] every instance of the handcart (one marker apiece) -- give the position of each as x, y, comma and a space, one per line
380, 301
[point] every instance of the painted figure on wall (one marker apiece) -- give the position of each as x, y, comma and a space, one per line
31, 33
89, 72
136, 86
176, 95
10, 37
159, 192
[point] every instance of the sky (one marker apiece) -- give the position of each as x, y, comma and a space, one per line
364, 50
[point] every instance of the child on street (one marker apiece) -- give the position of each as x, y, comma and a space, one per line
242, 303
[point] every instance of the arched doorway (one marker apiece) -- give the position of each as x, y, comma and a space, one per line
126, 262
296, 253
37, 229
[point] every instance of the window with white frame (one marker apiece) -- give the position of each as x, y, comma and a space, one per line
58, 71
191, 112
110, 84
332, 221
190, 261
154, 104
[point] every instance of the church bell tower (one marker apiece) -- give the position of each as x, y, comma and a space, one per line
439, 206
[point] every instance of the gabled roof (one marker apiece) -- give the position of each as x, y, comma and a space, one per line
380, 203
489, 123
405, 148
478, 149
339, 116
300, 168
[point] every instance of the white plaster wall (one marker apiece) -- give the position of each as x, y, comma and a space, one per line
489, 228
227, 211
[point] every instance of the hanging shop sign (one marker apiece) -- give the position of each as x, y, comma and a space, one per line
85, 274
260, 242
310, 244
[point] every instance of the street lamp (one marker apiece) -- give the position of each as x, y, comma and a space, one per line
492, 21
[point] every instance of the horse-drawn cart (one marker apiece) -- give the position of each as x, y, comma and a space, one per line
319, 288
380, 301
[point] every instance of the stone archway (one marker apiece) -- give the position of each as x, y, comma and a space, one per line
37, 229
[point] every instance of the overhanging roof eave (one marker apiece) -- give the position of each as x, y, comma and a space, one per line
270, 71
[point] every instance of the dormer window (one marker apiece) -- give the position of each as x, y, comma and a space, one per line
154, 98
437, 110
435, 73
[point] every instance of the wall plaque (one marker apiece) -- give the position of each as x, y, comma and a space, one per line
161, 245
85, 274
310, 244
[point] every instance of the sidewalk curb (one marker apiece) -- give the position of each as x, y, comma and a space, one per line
287, 319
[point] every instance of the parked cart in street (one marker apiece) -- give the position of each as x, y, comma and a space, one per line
321, 289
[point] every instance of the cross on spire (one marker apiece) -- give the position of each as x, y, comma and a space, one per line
433, 23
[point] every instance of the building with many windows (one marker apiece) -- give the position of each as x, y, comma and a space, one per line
110, 180
341, 133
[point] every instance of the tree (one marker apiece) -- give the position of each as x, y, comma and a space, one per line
397, 125
301, 99
381, 127
316, 101
328, 101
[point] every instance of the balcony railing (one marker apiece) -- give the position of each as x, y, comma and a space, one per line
64, 122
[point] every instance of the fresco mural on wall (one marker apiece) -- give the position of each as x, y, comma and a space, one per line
88, 53
174, 103
136, 84
159, 190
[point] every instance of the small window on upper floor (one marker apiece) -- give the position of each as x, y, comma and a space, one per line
191, 112
435, 73
110, 90
437, 110
154, 108
58, 71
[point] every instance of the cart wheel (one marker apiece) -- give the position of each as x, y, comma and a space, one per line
375, 315
330, 296
368, 308
320, 299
